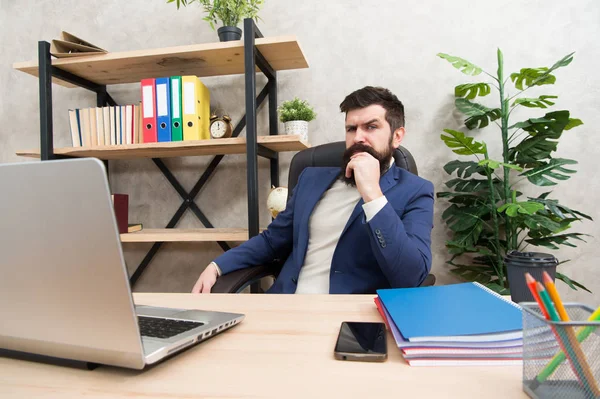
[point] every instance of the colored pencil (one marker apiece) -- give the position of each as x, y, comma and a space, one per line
552, 291
568, 341
531, 283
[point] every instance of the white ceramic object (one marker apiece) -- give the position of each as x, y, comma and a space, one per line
297, 127
277, 200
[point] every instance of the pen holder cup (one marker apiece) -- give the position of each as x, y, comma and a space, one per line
547, 372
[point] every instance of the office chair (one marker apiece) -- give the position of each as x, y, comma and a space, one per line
322, 155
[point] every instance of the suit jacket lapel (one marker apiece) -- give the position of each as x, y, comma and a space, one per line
386, 182
389, 178
315, 192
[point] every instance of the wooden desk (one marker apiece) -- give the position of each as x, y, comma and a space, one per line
284, 348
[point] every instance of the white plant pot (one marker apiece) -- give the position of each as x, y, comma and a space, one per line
297, 127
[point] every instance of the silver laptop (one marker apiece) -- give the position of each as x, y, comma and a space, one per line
64, 287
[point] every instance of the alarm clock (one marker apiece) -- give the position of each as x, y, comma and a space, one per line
220, 127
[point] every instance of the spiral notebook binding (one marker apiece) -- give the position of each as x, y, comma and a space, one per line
516, 305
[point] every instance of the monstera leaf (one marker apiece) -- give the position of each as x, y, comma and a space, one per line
463, 169
531, 151
477, 186
540, 102
552, 124
571, 283
538, 76
491, 164
573, 122
541, 175
463, 65
558, 210
479, 115
527, 77
472, 90
465, 241
512, 209
462, 198
461, 144
461, 218
482, 273
544, 132
552, 242
544, 224
468, 186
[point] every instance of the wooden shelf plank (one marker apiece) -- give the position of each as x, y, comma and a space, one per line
209, 59
187, 235
237, 145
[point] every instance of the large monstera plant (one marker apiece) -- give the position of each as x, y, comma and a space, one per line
487, 213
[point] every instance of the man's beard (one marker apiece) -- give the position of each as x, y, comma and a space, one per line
384, 159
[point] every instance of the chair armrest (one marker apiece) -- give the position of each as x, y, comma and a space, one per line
236, 281
429, 281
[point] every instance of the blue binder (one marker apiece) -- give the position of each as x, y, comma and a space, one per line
163, 109
456, 312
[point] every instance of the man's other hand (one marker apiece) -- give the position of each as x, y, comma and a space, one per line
207, 279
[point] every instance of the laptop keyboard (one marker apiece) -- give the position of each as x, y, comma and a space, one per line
164, 328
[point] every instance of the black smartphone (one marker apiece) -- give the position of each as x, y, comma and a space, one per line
361, 341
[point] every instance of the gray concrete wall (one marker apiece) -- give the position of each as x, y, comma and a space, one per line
348, 44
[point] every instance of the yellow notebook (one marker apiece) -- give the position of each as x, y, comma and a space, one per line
196, 109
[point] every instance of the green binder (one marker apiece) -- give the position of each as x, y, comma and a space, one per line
176, 117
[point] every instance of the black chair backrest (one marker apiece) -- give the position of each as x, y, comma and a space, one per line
330, 154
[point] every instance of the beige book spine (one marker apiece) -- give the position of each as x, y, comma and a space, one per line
93, 127
86, 135
100, 125
106, 123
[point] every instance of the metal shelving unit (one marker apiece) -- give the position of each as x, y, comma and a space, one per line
267, 146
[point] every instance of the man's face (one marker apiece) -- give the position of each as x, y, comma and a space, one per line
368, 126
368, 131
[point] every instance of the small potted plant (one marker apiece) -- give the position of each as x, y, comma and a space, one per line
296, 114
229, 12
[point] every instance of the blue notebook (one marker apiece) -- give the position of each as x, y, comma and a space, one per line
457, 312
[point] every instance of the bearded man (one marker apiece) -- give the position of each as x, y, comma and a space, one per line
350, 231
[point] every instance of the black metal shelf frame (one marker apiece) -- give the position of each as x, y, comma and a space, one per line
252, 59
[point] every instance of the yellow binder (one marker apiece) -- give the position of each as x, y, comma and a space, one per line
196, 109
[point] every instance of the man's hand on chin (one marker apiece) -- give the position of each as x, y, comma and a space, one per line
366, 174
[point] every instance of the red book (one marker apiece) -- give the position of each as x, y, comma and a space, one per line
149, 110
381, 312
121, 206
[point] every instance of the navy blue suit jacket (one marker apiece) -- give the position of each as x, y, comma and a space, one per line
392, 250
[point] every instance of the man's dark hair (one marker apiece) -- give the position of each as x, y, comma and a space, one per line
370, 95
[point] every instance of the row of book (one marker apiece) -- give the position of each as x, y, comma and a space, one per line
173, 108
461, 324
101, 126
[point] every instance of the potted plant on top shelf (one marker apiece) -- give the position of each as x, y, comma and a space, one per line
296, 114
229, 12
489, 213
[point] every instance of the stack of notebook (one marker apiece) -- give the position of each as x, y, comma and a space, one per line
459, 324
